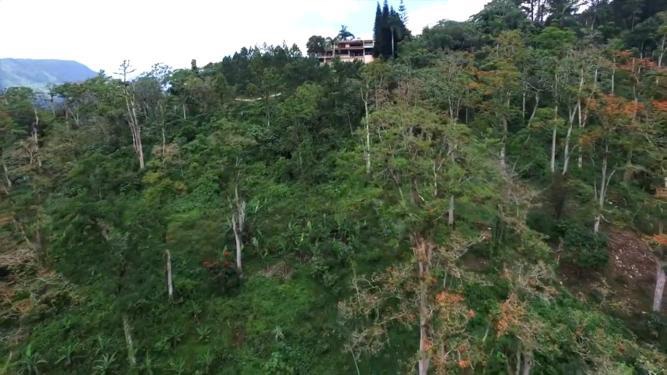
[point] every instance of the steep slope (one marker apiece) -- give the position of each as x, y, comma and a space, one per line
39, 74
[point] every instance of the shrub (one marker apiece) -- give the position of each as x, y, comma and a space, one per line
583, 248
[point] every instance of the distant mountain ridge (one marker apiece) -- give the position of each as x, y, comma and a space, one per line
39, 74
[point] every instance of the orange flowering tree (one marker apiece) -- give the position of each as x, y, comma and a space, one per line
412, 294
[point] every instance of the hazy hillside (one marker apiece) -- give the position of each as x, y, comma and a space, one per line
38, 74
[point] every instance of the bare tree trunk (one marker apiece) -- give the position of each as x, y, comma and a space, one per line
135, 129
662, 53
503, 162
568, 135
170, 284
598, 217
503, 145
659, 286
130, 345
35, 137
5, 171
450, 215
584, 116
238, 219
164, 143
424, 360
555, 129
613, 76
523, 103
423, 254
368, 132
527, 363
537, 102
553, 148
604, 184
185, 114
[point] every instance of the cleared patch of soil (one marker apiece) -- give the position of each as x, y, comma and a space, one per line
625, 286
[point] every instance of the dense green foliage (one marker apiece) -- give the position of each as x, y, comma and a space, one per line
416, 212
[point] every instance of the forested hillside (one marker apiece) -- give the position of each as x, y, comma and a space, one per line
486, 197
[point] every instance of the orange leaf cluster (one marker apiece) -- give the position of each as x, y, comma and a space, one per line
511, 313
445, 298
632, 107
426, 344
592, 104
614, 106
660, 239
660, 105
590, 137
623, 54
463, 363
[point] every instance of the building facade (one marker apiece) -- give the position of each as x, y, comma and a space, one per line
349, 50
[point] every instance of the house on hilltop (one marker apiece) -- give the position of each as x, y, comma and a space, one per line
349, 50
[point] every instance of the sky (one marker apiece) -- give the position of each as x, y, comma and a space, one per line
102, 33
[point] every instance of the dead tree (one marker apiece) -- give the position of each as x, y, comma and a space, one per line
35, 137
132, 120
131, 358
238, 220
364, 98
170, 284
423, 252
604, 185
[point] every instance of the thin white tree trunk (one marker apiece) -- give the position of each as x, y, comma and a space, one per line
368, 132
662, 53
553, 148
5, 171
503, 145
659, 286
583, 117
170, 284
450, 215
238, 220
598, 217
537, 102
527, 363
423, 253
613, 76
555, 129
424, 360
164, 144
568, 135
130, 344
135, 128
604, 185
35, 138
523, 103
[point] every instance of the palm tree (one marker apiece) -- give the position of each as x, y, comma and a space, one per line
344, 34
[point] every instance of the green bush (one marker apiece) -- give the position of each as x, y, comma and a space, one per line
583, 248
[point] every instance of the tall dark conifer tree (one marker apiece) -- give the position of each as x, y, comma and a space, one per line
386, 31
377, 31
389, 29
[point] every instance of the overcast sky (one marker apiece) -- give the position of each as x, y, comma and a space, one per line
101, 33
